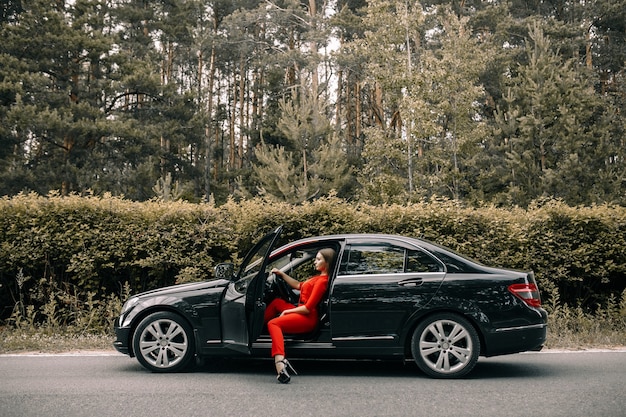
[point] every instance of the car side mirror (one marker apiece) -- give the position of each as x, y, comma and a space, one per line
225, 271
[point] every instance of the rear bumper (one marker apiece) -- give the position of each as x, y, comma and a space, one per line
516, 339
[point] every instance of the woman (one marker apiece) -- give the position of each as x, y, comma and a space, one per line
282, 316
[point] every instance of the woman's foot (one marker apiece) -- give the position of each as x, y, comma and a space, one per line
282, 368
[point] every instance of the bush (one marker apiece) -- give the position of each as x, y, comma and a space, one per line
57, 254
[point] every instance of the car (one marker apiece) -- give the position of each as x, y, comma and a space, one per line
389, 298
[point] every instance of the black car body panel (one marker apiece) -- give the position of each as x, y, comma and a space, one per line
242, 305
381, 290
197, 302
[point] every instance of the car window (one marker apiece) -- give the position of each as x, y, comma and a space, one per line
418, 261
372, 259
455, 265
386, 259
252, 264
455, 262
297, 264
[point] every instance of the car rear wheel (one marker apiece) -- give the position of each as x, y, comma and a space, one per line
163, 342
445, 345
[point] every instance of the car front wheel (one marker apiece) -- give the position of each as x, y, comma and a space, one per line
445, 345
163, 342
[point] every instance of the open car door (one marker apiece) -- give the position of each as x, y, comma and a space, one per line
243, 306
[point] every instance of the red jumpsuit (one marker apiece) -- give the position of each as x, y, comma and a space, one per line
311, 293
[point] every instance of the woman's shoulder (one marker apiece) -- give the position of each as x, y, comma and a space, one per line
323, 277
315, 278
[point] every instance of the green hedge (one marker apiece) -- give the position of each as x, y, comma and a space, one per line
96, 247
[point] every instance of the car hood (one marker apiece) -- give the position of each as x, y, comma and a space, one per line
193, 286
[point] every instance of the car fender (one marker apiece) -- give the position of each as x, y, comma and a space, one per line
181, 304
438, 304
166, 303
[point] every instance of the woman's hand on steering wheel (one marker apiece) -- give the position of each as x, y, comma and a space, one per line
284, 290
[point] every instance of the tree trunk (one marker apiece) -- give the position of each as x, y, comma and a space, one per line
242, 113
209, 122
231, 122
314, 50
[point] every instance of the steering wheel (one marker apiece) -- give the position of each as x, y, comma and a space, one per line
284, 290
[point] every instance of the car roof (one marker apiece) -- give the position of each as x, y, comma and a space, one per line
364, 237
356, 237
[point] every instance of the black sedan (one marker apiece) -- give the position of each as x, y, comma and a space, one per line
389, 297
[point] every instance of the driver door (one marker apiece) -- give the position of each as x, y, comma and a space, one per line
243, 306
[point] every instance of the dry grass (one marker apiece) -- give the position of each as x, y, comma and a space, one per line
42, 341
572, 331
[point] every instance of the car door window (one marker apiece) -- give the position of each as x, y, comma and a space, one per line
372, 259
298, 264
252, 266
248, 275
419, 261
386, 259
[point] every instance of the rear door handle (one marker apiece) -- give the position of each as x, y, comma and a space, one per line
412, 282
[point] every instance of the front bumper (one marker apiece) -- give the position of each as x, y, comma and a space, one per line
121, 343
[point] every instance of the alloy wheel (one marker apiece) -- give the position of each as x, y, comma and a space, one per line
163, 342
446, 346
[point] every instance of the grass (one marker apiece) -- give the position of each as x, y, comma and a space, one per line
44, 341
574, 329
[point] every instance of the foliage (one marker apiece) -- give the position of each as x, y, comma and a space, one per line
553, 133
98, 244
576, 328
311, 165
385, 167
60, 254
383, 101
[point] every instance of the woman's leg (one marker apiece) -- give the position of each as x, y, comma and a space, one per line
289, 323
277, 306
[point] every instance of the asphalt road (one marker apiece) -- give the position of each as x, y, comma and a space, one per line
534, 384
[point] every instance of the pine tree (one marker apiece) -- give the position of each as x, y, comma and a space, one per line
53, 76
383, 177
430, 90
391, 47
452, 125
554, 128
313, 164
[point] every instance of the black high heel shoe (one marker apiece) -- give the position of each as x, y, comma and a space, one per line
283, 376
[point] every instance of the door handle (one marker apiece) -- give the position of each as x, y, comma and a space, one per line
413, 282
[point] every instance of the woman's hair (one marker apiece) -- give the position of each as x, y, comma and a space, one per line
329, 256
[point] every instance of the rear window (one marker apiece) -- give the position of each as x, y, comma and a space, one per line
455, 265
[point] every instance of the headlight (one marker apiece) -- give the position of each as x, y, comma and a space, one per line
129, 304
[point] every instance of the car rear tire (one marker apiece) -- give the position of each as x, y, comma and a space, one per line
445, 345
164, 342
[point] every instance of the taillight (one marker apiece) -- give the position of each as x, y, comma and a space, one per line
529, 293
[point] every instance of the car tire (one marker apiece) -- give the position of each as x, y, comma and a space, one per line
164, 342
445, 345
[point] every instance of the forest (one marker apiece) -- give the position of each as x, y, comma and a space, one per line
499, 102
